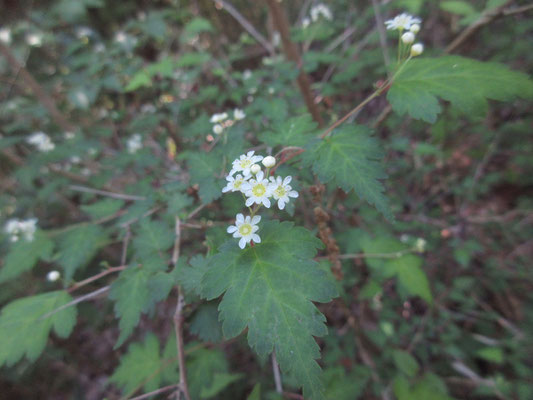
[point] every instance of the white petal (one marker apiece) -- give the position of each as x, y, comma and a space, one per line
245, 186
260, 175
231, 229
247, 219
287, 180
266, 203
281, 204
236, 234
256, 238
250, 153
240, 218
293, 193
256, 219
242, 243
255, 228
226, 189
249, 201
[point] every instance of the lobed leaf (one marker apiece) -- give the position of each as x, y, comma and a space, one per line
269, 288
466, 83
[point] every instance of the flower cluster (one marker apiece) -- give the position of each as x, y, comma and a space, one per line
16, 228
42, 141
320, 10
410, 24
221, 121
134, 143
257, 189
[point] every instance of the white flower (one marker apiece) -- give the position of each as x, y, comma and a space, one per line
217, 129
42, 141
415, 28
5, 35
15, 228
245, 229
269, 161
234, 184
244, 162
99, 48
134, 143
320, 9
257, 190
69, 135
83, 32
281, 190
271, 90
85, 171
420, 245
53, 276
121, 37
92, 151
402, 21
238, 114
75, 159
247, 74
34, 39
417, 49
148, 108
408, 37
254, 169
306, 22
216, 118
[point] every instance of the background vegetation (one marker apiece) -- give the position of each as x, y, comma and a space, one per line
434, 302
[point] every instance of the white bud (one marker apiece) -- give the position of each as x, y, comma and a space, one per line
53, 276
238, 114
415, 28
254, 169
217, 129
417, 49
408, 37
269, 161
420, 245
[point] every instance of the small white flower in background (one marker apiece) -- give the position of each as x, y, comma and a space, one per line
276, 39
75, 159
85, 171
257, 190
34, 39
320, 10
404, 238
69, 135
271, 90
408, 37
247, 74
42, 141
269, 161
402, 21
148, 108
53, 276
245, 229
92, 151
5, 35
134, 143
244, 163
15, 228
281, 190
218, 129
420, 245
216, 118
415, 28
234, 184
238, 114
99, 48
306, 22
254, 169
83, 32
121, 37
253, 90
417, 49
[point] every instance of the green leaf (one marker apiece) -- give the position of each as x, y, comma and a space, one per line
78, 246
23, 255
269, 288
204, 170
191, 277
220, 382
205, 323
458, 7
153, 240
466, 83
351, 158
140, 79
405, 362
136, 291
293, 132
202, 367
103, 208
139, 366
492, 354
24, 331
255, 394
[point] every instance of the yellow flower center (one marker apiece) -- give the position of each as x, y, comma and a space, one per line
237, 184
259, 190
245, 163
280, 191
245, 229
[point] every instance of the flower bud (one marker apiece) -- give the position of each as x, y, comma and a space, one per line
417, 49
217, 129
269, 161
420, 245
415, 28
53, 276
254, 169
408, 37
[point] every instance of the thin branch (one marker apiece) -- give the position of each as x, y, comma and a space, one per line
108, 271
292, 54
517, 10
196, 211
277, 375
85, 297
382, 33
113, 195
246, 25
158, 391
178, 319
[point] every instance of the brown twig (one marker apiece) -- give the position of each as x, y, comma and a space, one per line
113, 195
178, 319
277, 375
292, 54
158, 391
108, 271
